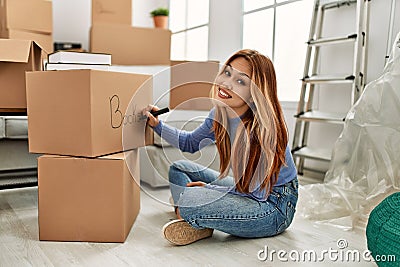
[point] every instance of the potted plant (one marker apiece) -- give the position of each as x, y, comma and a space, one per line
160, 16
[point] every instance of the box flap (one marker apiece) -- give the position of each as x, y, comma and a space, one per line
15, 50
37, 56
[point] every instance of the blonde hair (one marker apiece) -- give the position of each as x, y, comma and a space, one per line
258, 151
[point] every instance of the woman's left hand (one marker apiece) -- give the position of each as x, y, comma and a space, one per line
191, 184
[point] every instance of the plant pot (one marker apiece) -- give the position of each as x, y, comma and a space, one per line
161, 22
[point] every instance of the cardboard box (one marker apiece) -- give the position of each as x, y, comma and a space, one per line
29, 15
131, 45
116, 11
86, 112
81, 199
45, 41
191, 83
16, 57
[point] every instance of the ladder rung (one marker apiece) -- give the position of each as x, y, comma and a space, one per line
313, 153
328, 79
336, 4
314, 170
333, 40
321, 116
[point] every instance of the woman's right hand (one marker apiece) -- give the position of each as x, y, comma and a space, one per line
151, 120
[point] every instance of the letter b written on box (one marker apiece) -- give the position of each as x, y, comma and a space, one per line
115, 113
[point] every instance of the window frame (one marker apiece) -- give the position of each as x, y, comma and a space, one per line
274, 7
186, 29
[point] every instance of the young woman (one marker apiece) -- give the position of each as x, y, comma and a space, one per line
248, 128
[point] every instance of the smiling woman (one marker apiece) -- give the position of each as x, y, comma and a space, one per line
249, 130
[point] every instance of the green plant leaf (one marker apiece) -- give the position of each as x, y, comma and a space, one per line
159, 12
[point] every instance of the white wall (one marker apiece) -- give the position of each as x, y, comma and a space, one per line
225, 35
141, 11
71, 21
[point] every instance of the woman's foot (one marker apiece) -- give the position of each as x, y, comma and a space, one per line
180, 233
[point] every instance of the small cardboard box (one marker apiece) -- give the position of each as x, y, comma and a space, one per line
16, 57
44, 40
191, 83
93, 200
86, 112
131, 45
29, 15
116, 11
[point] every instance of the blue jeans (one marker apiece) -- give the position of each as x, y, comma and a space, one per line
233, 214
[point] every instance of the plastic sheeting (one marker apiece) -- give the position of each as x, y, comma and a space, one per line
365, 165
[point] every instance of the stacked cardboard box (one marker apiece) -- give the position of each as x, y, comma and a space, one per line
191, 83
16, 57
131, 45
27, 20
88, 189
112, 33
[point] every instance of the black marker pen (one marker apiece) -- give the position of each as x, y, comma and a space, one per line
159, 112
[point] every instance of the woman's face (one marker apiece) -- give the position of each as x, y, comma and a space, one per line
233, 85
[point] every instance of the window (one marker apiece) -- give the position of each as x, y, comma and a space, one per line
189, 25
279, 29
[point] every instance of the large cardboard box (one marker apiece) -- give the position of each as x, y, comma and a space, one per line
116, 11
86, 112
191, 83
29, 15
131, 45
16, 57
82, 199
